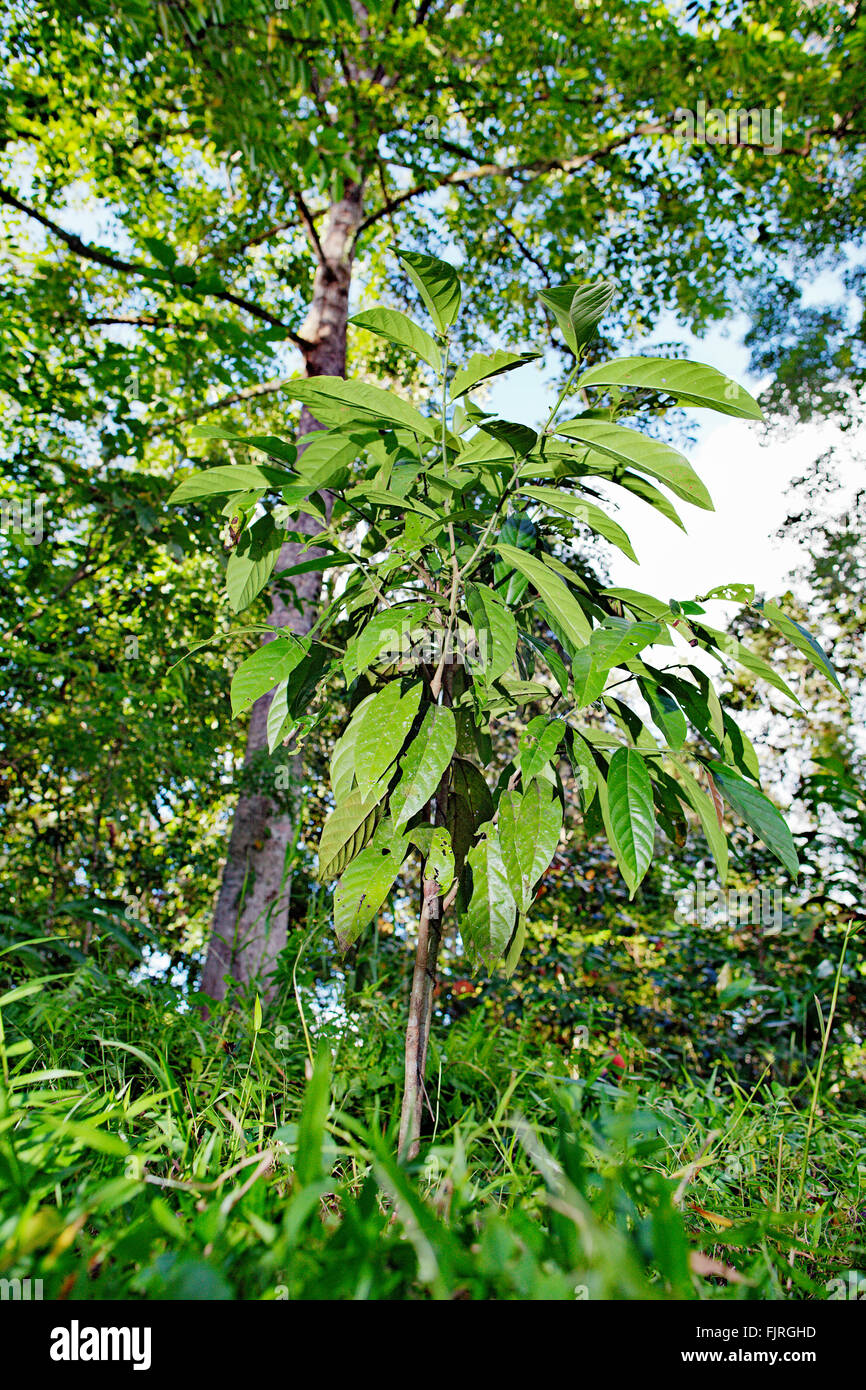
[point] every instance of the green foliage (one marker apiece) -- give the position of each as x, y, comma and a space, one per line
442, 499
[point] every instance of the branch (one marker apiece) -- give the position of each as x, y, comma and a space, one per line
264, 388
94, 253
535, 166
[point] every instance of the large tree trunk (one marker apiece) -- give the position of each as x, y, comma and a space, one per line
251, 918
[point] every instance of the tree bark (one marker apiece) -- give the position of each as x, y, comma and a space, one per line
420, 1013
250, 923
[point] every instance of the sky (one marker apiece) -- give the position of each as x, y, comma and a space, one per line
747, 470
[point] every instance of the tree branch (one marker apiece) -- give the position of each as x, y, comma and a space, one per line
106, 258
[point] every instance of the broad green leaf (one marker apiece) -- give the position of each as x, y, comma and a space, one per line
382, 729
802, 640
260, 672
691, 383
758, 812
584, 511
578, 307
561, 602
519, 439
495, 629
482, 367
424, 764
490, 917
346, 830
516, 529
756, 665
584, 767
334, 401
616, 641
400, 329
236, 477
706, 812
643, 453
737, 593
363, 888
324, 460
529, 828
632, 814
281, 449
538, 744
248, 572
342, 768
383, 633
440, 859
438, 285
666, 713
515, 949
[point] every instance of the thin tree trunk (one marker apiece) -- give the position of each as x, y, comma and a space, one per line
250, 921
430, 929
420, 1013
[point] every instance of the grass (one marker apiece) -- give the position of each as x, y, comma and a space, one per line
145, 1154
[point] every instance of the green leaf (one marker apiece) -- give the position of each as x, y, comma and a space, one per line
248, 572
424, 763
438, 285
363, 888
400, 329
489, 919
578, 307
529, 828
802, 640
538, 744
756, 665
440, 859
347, 829
519, 439
631, 814
584, 766
383, 633
334, 401
238, 477
280, 449
691, 383
616, 641
583, 511
666, 713
645, 454
325, 458
758, 812
561, 602
260, 672
495, 628
382, 729
706, 811
482, 367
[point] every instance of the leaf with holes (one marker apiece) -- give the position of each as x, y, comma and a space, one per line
489, 919
363, 888
382, 729
424, 763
